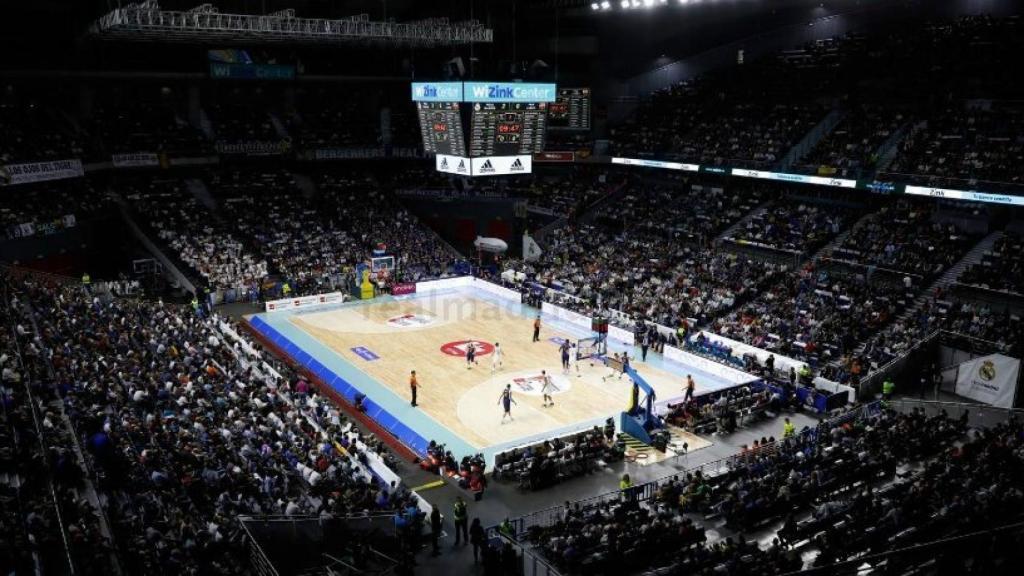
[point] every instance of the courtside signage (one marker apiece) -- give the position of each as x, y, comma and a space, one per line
656, 164
783, 177
305, 301
965, 195
437, 91
508, 92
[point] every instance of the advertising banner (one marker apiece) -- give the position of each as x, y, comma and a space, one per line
452, 164
783, 177
569, 316
11, 174
499, 291
508, 92
135, 160
403, 288
437, 91
656, 164
501, 165
305, 302
965, 195
990, 379
554, 157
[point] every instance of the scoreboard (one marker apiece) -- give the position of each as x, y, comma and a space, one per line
507, 124
507, 128
441, 126
570, 110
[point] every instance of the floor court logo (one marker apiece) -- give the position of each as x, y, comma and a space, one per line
411, 320
533, 384
459, 348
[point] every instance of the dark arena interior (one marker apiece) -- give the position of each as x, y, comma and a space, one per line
511, 287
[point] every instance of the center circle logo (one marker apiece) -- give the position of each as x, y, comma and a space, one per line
533, 384
459, 348
411, 320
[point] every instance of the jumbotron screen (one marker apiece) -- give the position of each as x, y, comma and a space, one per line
441, 125
571, 110
507, 128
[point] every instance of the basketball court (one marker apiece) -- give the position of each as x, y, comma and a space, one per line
374, 345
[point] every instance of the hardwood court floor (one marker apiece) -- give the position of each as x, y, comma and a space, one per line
387, 340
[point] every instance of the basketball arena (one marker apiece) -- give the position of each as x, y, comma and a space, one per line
511, 288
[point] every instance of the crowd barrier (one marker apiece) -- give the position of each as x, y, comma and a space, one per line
499, 291
377, 467
341, 387
647, 491
739, 349
718, 369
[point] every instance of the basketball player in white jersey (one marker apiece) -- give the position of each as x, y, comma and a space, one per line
546, 388
496, 358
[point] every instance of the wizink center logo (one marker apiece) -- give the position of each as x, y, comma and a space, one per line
505, 92
437, 91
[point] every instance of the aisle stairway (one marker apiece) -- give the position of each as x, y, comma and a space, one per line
731, 230
973, 256
827, 249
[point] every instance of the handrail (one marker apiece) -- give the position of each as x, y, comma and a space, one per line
855, 565
34, 409
85, 461
648, 489
265, 567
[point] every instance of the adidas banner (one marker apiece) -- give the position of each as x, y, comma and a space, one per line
452, 164
990, 379
502, 165
484, 166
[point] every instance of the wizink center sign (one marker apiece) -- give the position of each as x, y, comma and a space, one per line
482, 92
437, 91
508, 92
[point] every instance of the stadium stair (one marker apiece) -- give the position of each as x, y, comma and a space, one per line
811, 139
305, 184
198, 189
973, 256
206, 126
948, 277
827, 249
731, 230
180, 278
279, 127
891, 147
638, 449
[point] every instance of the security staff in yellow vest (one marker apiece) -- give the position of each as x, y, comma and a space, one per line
286, 289
888, 387
788, 430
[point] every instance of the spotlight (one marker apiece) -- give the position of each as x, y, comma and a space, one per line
625, 4
606, 5
595, 6
636, 3
648, 3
